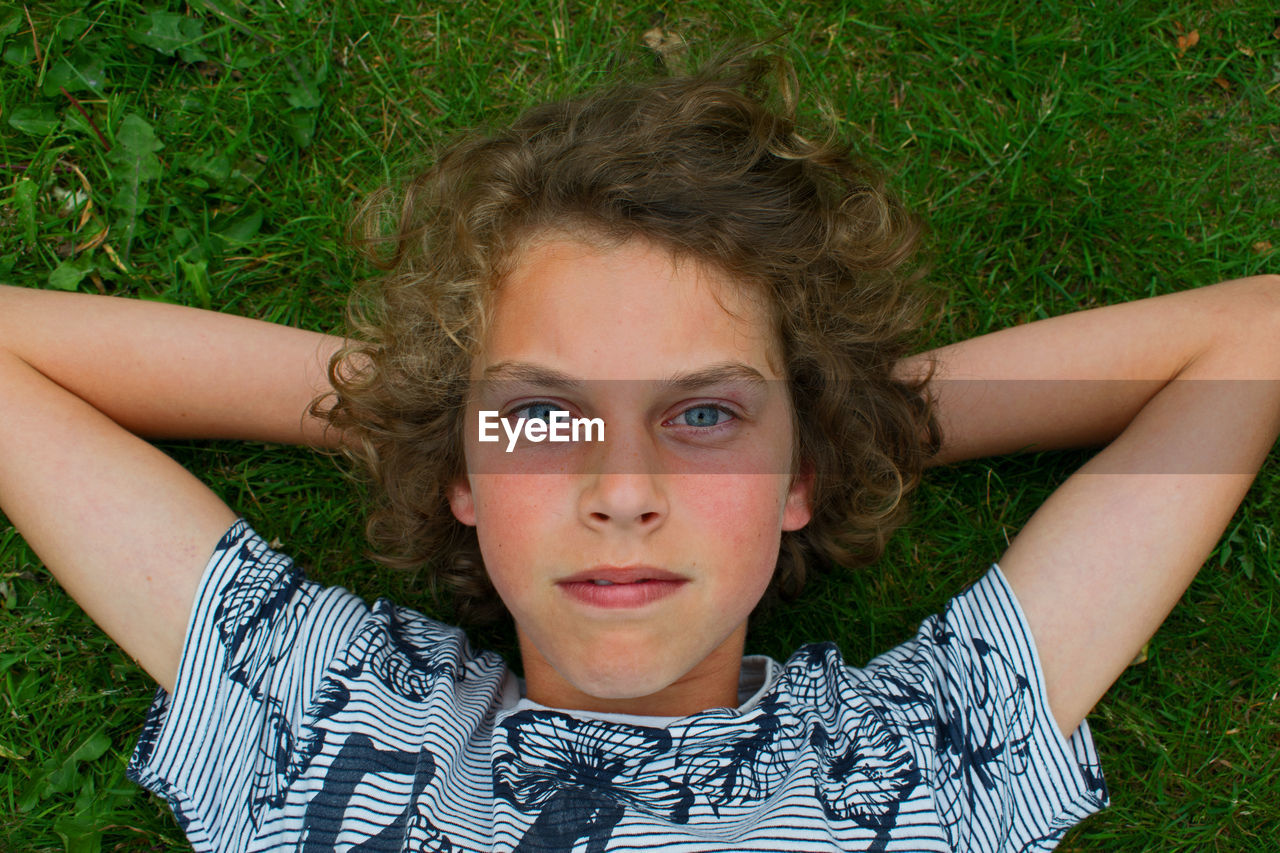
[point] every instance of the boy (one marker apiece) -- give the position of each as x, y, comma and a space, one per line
730, 300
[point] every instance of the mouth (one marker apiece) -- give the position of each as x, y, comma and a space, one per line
606, 575
615, 587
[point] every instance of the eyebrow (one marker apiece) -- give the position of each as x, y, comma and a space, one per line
715, 374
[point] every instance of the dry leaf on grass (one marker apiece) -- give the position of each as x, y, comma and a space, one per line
670, 47
1188, 41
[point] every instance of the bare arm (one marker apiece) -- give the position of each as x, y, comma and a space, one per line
1101, 563
125, 529
165, 371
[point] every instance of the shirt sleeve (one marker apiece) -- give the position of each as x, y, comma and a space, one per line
259, 639
969, 693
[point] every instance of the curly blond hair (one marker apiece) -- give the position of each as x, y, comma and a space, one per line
708, 165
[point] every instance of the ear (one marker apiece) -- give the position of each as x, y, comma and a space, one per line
461, 501
798, 509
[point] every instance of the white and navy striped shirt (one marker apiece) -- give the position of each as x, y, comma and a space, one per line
304, 720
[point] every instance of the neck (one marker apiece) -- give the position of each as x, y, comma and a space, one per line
712, 683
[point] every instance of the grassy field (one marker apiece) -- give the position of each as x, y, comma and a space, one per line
1065, 155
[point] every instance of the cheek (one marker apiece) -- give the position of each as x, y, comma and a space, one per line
514, 515
740, 515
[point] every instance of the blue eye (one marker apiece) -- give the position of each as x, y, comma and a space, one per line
704, 416
540, 411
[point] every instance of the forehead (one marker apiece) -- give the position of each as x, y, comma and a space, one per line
629, 310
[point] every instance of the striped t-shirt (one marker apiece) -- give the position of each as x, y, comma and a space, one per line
302, 719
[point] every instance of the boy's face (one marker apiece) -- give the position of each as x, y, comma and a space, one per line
682, 505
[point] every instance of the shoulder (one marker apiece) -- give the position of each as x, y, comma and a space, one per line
257, 595
965, 699
408, 654
288, 687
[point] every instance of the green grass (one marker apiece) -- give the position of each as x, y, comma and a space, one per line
1066, 155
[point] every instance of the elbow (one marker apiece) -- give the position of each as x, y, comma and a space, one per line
1255, 324
1265, 301
1237, 324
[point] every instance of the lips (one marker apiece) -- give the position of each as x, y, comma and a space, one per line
621, 587
618, 574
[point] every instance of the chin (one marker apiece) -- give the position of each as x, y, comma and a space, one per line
622, 680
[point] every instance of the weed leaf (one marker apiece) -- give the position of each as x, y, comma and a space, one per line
305, 95
65, 777
79, 836
305, 99
302, 126
20, 54
214, 165
136, 166
33, 120
72, 27
24, 199
169, 32
60, 777
137, 142
10, 26
70, 273
242, 230
85, 74
197, 275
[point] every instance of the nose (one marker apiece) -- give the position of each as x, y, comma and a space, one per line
624, 487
